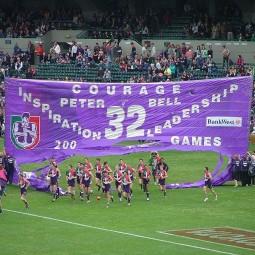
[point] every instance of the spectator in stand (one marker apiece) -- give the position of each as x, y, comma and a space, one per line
145, 31
100, 74
133, 50
183, 49
55, 51
185, 76
173, 70
249, 71
214, 31
225, 55
31, 52
242, 71
107, 75
144, 51
253, 37
240, 61
198, 52
195, 30
187, 8
210, 51
204, 52
209, 62
16, 49
214, 69
74, 51
189, 56
39, 52
223, 30
18, 66
225, 72
232, 71
229, 29
153, 52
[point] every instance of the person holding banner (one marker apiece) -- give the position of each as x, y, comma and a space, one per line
3, 181
208, 184
251, 171
23, 184
236, 166
70, 178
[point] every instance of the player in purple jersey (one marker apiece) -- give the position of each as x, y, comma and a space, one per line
23, 184
126, 182
131, 174
117, 175
146, 175
86, 181
98, 168
106, 186
161, 176
139, 170
70, 178
208, 184
79, 173
54, 174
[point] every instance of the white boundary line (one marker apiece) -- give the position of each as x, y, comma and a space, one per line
192, 238
120, 232
246, 230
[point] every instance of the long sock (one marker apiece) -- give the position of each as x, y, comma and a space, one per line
131, 192
119, 194
58, 191
141, 186
128, 199
147, 194
164, 193
87, 195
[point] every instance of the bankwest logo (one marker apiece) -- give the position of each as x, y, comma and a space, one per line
223, 121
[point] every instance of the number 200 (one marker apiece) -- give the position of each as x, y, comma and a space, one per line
65, 145
132, 129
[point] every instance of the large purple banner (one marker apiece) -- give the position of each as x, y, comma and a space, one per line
59, 119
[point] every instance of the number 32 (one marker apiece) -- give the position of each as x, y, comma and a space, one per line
132, 129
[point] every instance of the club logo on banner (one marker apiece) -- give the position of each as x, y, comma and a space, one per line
25, 131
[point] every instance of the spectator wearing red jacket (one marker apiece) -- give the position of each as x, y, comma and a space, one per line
240, 62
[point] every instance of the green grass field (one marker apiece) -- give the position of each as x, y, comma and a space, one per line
64, 228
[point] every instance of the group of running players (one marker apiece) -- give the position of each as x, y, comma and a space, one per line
123, 175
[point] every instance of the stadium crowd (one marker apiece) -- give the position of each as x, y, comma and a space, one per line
173, 62
15, 22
